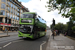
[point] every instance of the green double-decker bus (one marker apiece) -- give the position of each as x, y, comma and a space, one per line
31, 25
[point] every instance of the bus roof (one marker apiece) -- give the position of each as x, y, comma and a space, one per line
29, 13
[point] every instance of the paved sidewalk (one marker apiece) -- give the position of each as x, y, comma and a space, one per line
9, 33
60, 43
1, 32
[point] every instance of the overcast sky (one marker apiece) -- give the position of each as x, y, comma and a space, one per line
39, 7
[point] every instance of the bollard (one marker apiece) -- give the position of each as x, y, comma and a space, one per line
7, 32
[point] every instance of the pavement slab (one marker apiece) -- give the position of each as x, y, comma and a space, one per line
60, 43
7, 35
4, 36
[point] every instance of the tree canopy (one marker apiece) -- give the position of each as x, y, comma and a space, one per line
65, 7
60, 26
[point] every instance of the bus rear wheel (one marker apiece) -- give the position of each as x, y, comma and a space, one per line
38, 35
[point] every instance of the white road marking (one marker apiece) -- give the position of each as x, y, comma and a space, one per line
10, 43
53, 45
7, 44
42, 44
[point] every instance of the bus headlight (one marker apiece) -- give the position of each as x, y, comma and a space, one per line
21, 26
31, 28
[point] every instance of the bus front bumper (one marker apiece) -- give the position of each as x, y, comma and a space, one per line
20, 34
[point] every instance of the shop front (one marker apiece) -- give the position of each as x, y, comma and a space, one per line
9, 27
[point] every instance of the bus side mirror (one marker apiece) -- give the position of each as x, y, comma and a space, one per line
37, 19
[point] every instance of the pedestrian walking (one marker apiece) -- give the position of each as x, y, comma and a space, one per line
56, 32
65, 34
53, 34
5, 29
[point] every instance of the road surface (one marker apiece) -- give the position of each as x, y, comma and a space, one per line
16, 43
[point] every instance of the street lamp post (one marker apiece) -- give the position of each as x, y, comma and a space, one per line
7, 27
7, 30
53, 24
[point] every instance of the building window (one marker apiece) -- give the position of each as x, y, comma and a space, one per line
18, 9
15, 7
11, 11
3, 0
8, 9
13, 17
12, 21
3, 6
7, 20
11, 0
8, 15
2, 12
17, 18
15, 12
11, 5
18, 14
21, 11
8, 3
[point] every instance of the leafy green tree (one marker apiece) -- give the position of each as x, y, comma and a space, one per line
65, 7
65, 27
70, 25
73, 28
60, 26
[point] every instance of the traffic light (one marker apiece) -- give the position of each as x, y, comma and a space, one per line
53, 22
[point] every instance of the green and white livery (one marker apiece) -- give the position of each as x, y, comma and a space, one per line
31, 25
